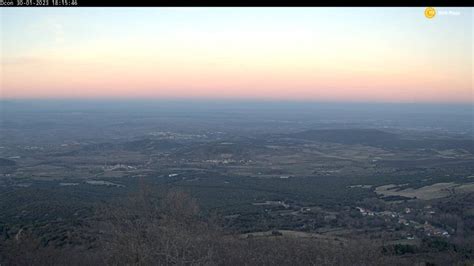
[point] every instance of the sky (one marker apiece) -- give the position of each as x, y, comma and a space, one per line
310, 54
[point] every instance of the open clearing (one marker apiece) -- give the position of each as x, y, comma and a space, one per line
438, 190
291, 233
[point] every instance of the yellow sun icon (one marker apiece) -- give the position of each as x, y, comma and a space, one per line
430, 12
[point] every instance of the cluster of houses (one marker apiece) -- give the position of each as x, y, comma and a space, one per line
429, 229
122, 167
228, 161
175, 136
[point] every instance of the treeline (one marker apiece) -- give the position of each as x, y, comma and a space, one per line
145, 230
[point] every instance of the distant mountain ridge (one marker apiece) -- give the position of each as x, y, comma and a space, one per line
347, 136
381, 139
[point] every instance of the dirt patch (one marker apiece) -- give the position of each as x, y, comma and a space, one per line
295, 234
438, 190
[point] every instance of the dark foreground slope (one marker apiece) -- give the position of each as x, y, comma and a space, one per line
143, 231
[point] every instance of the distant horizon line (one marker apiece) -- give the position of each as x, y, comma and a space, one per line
217, 100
